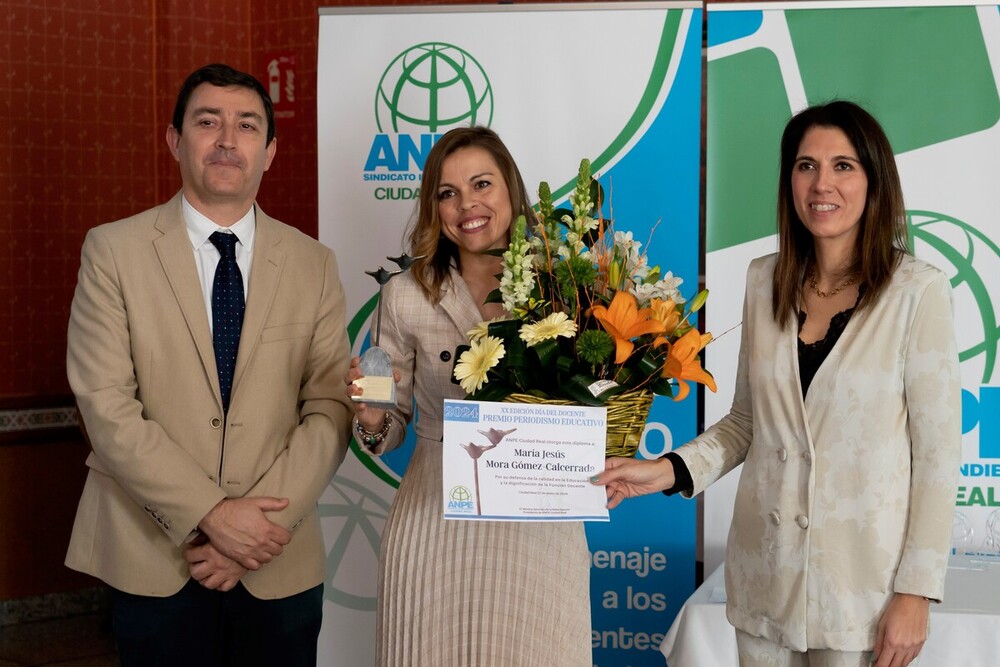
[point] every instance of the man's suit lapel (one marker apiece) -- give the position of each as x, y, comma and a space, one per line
177, 259
265, 272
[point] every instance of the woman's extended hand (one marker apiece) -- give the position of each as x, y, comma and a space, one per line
369, 418
902, 630
628, 478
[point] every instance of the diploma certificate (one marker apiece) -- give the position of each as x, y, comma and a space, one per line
523, 462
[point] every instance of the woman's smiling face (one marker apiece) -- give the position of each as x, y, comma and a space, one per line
829, 184
473, 201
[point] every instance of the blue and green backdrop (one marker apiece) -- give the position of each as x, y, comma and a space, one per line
617, 83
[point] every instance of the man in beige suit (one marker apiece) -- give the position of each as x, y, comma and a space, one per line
215, 419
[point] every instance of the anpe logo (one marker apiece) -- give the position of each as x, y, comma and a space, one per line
358, 515
460, 499
430, 88
971, 258
425, 91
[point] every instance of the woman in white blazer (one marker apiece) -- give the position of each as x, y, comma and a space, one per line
846, 414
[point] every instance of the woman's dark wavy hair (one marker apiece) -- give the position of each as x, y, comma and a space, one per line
426, 237
882, 238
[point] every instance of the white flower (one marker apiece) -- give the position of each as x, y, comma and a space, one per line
582, 205
577, 229
665, 288
553, 326
642, 271
625, 241
476, 362
634, 262
670, 283
518, 277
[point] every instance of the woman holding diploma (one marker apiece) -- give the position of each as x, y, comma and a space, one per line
462, 593
846, 416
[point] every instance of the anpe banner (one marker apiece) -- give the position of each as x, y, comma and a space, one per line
617, 83
930, 75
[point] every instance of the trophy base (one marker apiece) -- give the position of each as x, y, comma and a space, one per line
378, 384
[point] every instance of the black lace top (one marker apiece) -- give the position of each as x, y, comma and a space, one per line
812, 355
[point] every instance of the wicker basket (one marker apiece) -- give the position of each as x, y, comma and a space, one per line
627, 414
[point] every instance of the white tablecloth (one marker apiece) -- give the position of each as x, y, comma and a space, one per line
965, 628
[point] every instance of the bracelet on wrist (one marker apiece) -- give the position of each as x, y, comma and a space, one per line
371, 439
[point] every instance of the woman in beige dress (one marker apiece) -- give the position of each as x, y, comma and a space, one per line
462, 593
846, 416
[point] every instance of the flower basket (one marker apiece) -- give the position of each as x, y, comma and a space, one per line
589, 320
627, 414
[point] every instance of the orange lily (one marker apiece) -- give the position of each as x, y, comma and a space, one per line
624, 320
683, 363
665, 310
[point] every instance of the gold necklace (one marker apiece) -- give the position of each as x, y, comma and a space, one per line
834, 292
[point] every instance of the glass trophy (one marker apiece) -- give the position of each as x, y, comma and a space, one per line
378, 384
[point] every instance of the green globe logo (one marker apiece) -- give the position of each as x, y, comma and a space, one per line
460, 494
356, 515
430, 88
966, 254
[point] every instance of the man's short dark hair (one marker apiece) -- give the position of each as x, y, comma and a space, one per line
222, 76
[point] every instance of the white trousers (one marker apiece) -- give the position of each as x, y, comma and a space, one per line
758, 652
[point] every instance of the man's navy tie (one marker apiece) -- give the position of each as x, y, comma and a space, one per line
227, 311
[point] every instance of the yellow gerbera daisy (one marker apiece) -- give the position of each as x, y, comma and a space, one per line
553, 326
476, 362
479, 331
482, 329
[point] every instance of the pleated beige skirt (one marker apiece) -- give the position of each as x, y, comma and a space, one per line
477, 593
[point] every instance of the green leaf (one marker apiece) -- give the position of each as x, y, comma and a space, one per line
590, 238
557, 216
547, 351
506, 330
494, 390
494, 297
538, 392
624, 377
577, 388
651, 363
516, 356
564, 364
662, 387
596, 196
580, 394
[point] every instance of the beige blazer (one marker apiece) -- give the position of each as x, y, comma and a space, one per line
141, 364
421, 341
848, 496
